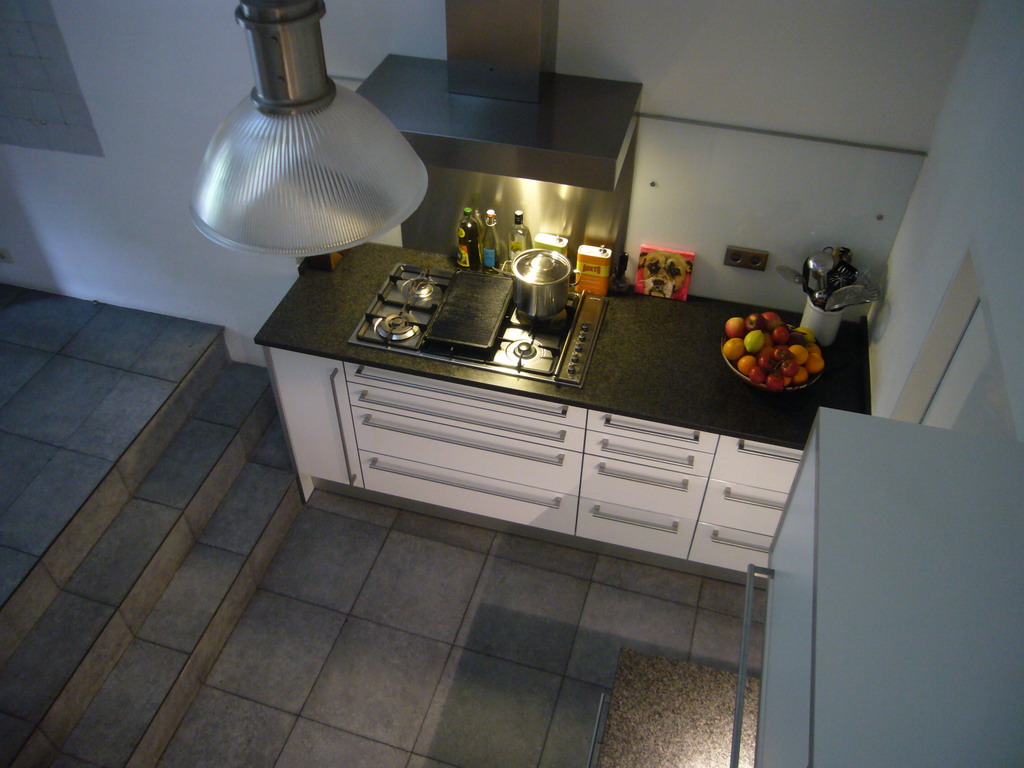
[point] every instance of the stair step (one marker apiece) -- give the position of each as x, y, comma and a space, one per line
101, 604
88, 521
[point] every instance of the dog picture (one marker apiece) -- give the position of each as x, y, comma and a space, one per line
664, 272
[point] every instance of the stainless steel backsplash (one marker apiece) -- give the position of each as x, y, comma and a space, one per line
583, 215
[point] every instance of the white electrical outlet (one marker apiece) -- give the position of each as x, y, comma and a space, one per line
5, 256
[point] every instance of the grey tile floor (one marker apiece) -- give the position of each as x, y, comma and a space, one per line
380, 637
377, 638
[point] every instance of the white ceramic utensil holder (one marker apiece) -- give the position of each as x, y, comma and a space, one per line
822, 324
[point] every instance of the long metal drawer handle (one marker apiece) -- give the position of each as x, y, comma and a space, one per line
559, 436
557, 461
665, 527
608, 422
753, 572
716, 538
606, 447
752, 500
352, 476
779, 453
554, 503
554, 410
602, 469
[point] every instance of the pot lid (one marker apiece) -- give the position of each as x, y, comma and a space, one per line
538, 266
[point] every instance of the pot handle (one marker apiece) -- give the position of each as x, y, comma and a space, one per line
506, 267
576, 279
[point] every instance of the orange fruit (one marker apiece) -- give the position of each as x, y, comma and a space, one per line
815, 363
800, 353
801, 376
733, 349
814, 349
745, 364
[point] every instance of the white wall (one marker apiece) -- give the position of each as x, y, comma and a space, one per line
158, 78
970, 197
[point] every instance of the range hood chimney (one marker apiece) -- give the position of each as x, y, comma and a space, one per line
495, 113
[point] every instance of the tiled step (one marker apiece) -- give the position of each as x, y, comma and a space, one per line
90, 396
94, 622
143, 700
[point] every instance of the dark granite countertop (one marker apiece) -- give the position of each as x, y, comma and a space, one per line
655, 358
675, 714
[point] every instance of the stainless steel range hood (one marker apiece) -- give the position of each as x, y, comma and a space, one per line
561, 145
577, 133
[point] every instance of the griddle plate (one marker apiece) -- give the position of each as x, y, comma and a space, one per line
472, 309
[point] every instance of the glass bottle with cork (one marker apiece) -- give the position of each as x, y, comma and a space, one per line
492, 251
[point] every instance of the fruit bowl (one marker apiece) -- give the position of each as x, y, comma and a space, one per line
762, 354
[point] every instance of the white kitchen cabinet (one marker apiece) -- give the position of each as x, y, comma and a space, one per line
755, 464
314, 409
498, 455
894, 612
732, 548
631, 526
685, 493
643, 483
745, 497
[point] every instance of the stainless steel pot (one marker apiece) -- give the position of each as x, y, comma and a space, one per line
543, 279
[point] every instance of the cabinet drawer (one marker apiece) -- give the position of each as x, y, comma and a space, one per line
758, 464
470, 493
424, 406
729, 547
637, 528
464, 450
662, 434
665, 455
643, 486
743, 507
504, 403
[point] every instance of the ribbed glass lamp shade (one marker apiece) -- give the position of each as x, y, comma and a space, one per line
307, 183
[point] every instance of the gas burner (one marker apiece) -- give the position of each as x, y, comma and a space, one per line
395, 327
524, 350
421, 289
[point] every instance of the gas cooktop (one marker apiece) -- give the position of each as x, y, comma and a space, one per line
468, 318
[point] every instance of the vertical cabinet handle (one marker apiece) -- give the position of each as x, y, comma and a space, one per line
753, 572
341, 429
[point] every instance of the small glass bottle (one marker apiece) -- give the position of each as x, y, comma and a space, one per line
469, 240
519, 237
492, 252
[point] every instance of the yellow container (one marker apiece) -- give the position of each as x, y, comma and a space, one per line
595, 267
548, 242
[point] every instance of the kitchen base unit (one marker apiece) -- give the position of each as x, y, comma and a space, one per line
500, 455
595, 475
746, 494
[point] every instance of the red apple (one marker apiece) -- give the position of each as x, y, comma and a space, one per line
789, 368
735, 328
753, 322
774, 382
780, 334
771, 320
757, 375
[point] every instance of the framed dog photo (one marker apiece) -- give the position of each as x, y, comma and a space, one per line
664, 272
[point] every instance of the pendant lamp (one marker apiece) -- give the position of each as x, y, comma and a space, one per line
301, 166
